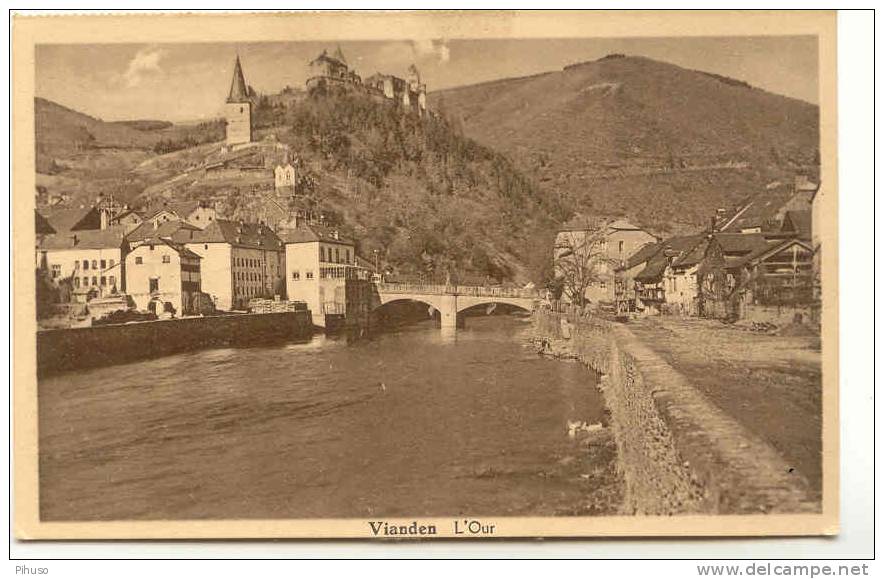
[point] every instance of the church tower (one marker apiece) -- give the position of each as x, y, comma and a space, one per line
238, 110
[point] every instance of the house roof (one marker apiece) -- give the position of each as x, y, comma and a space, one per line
679, 251
314, 232
761, 209
110, 238
236, 233
41, 225
146, 230
643, 254
324, 57
239, 91
799, 223
178, 247
622, 224
180, 208
740, 243
66, 218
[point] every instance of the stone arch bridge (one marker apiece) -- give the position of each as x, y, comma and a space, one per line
451, 300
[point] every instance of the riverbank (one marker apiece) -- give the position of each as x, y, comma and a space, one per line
677, 451
78, 348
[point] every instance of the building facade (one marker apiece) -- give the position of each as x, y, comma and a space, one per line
240, 261
163, 277
321, 270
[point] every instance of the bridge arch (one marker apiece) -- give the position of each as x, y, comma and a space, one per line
467, 302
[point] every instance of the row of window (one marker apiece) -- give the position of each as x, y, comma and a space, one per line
104, 264
103, 280
139, 260
296, 275
246, 276
247, 262
337, 259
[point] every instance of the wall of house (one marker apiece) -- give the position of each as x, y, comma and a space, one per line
65, 262
680, 286
202, 217
168, 275
215, 272
302, 275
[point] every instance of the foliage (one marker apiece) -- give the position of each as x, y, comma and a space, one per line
579, 257
429, 200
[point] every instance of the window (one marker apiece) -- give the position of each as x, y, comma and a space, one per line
296, 275
94, 280
85, 281
85, 264
621, 247
206, 246
110, 263
167, 259
348, 255
113, 281
321, 253
77, 264
76, 282
56, 270
151, 247
154, 284
138, 260
103, 264
103, 280
309, 275
337, 255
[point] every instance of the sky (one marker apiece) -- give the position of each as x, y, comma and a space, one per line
189, 82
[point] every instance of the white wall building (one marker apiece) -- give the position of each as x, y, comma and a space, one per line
161, 274
91, 261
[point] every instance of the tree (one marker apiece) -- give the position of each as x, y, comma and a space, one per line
579, 257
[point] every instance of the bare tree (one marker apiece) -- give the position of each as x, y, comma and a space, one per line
579, 258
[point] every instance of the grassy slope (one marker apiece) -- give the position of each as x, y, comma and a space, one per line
634, 136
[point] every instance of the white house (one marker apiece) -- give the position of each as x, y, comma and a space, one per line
163, 276
284, 176
318, 264
91, 261
240, 261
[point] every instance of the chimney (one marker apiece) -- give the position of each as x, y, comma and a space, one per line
75, 239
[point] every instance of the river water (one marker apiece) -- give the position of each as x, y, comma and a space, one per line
415, 421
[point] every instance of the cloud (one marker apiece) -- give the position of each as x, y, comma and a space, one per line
427, 47
146, 62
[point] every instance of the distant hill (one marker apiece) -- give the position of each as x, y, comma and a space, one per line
632, 136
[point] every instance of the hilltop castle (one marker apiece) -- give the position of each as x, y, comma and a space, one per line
331, 71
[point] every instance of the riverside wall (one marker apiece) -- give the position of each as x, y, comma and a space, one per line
677, 452
77, 348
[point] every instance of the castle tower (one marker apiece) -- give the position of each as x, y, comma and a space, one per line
238, 110
418, 88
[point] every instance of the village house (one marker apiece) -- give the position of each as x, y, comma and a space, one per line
741, 270
196, 213
616, 241
240, 261
284, 176
321, 270
88, 263
660, 276
765, 211
163, 277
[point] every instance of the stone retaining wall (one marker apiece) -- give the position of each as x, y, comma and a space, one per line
678, 452
76, 348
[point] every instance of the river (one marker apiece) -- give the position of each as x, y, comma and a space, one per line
415, 421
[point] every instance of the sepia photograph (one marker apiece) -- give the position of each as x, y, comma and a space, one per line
414, 278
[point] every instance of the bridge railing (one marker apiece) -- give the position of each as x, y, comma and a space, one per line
462, 290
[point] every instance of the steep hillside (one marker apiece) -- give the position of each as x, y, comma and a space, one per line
636, 137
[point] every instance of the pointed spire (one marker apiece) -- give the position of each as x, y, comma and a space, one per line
339, 54
239, 92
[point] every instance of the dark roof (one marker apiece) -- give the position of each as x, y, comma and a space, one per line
314, 232
799, 223
760, 210
110, 238
66, 218
153, 241
643, 254
146, 230
179, 208
324, 57
239, 92
238, 233
41, 225
679, 251
740, 243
